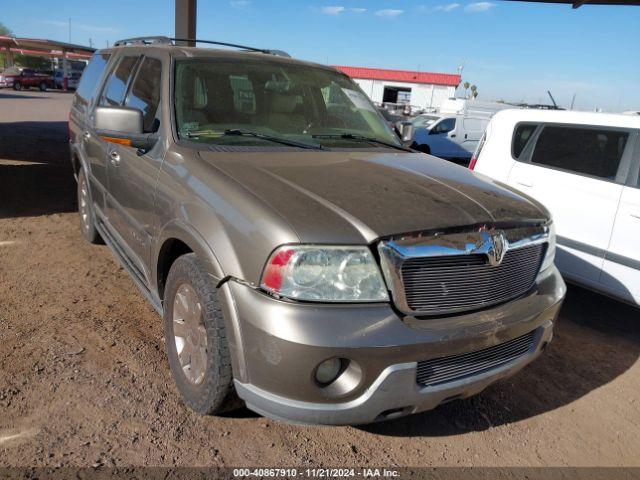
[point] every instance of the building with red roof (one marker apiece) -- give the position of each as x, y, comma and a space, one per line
425, 90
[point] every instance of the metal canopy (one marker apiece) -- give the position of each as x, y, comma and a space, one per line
580, 3
41, 47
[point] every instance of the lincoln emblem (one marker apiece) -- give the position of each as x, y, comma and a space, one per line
497, 249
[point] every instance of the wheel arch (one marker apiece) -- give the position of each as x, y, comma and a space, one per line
178, 238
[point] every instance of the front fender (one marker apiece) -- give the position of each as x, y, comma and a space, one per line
187, 234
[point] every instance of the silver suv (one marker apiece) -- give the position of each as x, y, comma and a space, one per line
302, 257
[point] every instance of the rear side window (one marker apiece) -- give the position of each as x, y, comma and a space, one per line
116, 87
588, 151
91, 76
521, 137
145, 93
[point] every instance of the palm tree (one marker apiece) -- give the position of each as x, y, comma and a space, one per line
474, 91
466, 86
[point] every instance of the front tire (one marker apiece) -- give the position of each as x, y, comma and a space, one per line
17, 86
196, 338
43, 86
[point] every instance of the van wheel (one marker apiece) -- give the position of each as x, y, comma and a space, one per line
43, 86
196, 338
17, 86
85, 209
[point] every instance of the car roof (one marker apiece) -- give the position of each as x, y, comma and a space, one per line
177, 51
566, 116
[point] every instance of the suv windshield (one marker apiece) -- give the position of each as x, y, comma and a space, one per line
215, 99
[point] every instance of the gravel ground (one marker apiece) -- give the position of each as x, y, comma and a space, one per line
84, 380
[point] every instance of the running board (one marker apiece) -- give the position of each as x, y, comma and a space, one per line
128, 266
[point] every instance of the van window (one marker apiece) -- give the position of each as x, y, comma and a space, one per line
521, 137
588, 151
116, 87
91, 76
145, 93
445, 126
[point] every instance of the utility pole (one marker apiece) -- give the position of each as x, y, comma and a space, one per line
69, 30
91, 43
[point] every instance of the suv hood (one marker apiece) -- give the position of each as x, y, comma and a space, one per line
338, 197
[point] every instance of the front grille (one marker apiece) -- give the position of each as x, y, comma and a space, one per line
447, 369
455, 283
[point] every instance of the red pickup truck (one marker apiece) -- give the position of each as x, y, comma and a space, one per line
21, 78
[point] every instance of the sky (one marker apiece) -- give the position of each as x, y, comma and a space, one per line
512, 51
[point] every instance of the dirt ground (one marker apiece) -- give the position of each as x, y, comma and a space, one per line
84, 380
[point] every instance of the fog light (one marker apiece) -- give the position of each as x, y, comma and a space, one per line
328, 371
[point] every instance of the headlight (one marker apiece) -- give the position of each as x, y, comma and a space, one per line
551, 249
324, 274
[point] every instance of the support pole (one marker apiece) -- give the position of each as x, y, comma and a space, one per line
186, 13
65, 71
8, 59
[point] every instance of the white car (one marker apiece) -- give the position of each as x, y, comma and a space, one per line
585, 168
450, 136
453, 133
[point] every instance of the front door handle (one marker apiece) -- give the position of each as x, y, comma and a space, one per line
114, 158
453, 135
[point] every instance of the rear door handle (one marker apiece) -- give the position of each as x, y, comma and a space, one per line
114, 158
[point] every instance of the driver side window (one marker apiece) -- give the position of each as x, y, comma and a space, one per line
445, 126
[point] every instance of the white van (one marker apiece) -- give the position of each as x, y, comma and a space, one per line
454, 132
585, 168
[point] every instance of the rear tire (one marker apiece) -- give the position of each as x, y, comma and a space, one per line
196, 338
17, 86
43, 86
85, 209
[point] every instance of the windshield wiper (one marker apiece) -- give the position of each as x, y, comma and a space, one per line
362, 138
248, 133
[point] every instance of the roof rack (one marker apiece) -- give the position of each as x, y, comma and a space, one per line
143, 41
161, 40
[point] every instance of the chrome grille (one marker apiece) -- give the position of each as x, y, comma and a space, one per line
447, 369
455, 283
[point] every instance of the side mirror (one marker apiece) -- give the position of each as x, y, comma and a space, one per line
406, 132
119, 119
124, 126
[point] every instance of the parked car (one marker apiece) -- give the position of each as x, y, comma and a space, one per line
584, 168
73, 78
28, 78
454, 131
392, 118
302, 258
454, 137
7, 76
